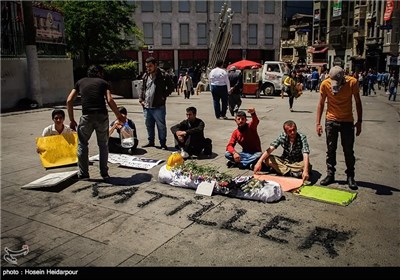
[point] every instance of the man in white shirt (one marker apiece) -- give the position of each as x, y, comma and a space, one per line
220, 87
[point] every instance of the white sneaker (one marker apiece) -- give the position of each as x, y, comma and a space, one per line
184, 154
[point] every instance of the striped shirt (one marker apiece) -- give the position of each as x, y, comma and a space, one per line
292, 152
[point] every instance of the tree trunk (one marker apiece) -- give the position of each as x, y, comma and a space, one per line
34, 89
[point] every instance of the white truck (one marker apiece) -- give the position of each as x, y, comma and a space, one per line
272, 77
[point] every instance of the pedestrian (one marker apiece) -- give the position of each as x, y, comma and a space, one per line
293, 88
187, 85
157, 86
58, 127
236, 85
295, 161
114, 143
338, 91
247, 137
393, 82
220, 87
189, 135
94, 91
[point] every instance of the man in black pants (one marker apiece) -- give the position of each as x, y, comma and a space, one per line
236, 83
189, 135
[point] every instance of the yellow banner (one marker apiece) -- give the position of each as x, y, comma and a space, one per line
58, 150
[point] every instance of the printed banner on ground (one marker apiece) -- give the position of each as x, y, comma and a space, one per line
58, 150
130, 161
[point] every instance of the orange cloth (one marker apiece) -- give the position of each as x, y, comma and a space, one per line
287, 183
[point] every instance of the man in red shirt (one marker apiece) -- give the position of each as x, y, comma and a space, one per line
245, 135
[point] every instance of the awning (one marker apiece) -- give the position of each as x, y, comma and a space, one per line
316, 64
318, 51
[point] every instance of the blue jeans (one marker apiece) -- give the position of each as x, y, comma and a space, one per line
220, 93
245, 158
152, 117
87, 124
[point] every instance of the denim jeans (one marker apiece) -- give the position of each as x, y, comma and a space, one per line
220, 93
87, 124
245, 158
152, 117
346, 130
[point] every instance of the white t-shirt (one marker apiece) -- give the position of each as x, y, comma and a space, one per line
51, 130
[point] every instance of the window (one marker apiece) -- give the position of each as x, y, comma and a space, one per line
201, 6
236, 6
269, 7
147, 6
236, 34
148, 33
184, 6
165, 6
252, 35
218, 6
166, 34
269, 34
252, 7
201, 34
184, 33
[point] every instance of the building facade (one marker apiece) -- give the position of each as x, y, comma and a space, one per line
357, 35
179, 33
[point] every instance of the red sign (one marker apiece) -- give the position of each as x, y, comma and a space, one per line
389, 9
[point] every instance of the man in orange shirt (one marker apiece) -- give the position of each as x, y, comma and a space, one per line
339, 90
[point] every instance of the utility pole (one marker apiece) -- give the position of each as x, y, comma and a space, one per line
34, 89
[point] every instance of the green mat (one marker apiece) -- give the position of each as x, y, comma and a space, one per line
328, 195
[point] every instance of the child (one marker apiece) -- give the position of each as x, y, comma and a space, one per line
114, 144
58, 117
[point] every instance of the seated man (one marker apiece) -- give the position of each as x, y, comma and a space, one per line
114, 143
295, 158
58, 127
245, 135
189, 135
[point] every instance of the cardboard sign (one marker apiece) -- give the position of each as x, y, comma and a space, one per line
58, 150
206, 188
50, 180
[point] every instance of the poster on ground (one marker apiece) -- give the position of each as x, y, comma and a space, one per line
130, 161
58, 150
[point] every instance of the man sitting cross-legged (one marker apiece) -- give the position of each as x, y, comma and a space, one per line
245, 135
295, 158
189, 135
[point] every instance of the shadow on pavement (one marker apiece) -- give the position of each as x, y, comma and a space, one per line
379, 189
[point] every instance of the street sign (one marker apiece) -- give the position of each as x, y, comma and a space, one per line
150, 48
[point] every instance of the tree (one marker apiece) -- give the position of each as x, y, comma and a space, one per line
95, 29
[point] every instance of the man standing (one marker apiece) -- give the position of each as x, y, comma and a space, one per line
245, 135
157, 86
339, 90
295, 160
220, 87
189, 135
236, 84
93, 90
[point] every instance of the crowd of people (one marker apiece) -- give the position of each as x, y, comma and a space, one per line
337, 90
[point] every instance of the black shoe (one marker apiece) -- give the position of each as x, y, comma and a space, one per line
352, 183
164, 147
230, 164
298, 174
83, 177
329, 179
105, 176
251, 166
148, 145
